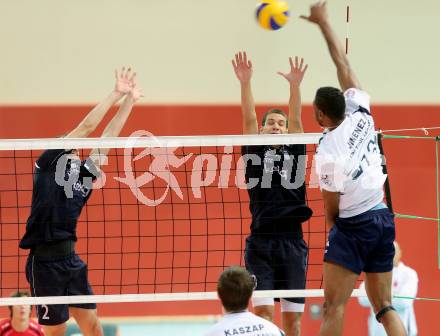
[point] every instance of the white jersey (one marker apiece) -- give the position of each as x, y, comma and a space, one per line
405, 283
243, 323
348, 159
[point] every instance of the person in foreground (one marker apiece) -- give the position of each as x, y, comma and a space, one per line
275, 249
20, 322
53, 268
405, 284
348, 164
234, 289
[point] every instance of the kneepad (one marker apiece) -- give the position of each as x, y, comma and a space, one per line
383, 311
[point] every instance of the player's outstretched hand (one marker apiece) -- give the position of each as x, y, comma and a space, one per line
297, 71
124, 79
242, 67
318, 13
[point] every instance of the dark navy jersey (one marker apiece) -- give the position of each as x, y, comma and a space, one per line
276, 187
58, 197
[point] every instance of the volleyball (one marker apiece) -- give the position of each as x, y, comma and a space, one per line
272, 14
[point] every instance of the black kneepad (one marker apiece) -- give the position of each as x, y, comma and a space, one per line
383, 311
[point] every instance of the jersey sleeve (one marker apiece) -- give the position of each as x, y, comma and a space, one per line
330, 173
49, 158
356, 99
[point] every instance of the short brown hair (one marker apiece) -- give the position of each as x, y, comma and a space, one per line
272, 111
234, 288
18, 294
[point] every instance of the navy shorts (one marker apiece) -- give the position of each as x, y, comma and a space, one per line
57, 276
363, 242
278, 263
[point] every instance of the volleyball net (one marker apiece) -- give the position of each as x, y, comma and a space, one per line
166, 215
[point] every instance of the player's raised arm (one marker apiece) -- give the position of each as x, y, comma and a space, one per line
114, 127
243, 71
295, 77
346, 76
94, 117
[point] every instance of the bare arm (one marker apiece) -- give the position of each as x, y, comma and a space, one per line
114, 127
346, 76
243, 71
331, 206
94, 117
295, 77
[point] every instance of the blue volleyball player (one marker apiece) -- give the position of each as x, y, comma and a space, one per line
351, 179
53, 268
276, 253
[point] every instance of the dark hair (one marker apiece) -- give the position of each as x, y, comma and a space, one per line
18, 294
331, 102
276, 111
234, 288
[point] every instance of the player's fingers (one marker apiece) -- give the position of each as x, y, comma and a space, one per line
281, 74
128, 73
133, 79
244, 57
122, 73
